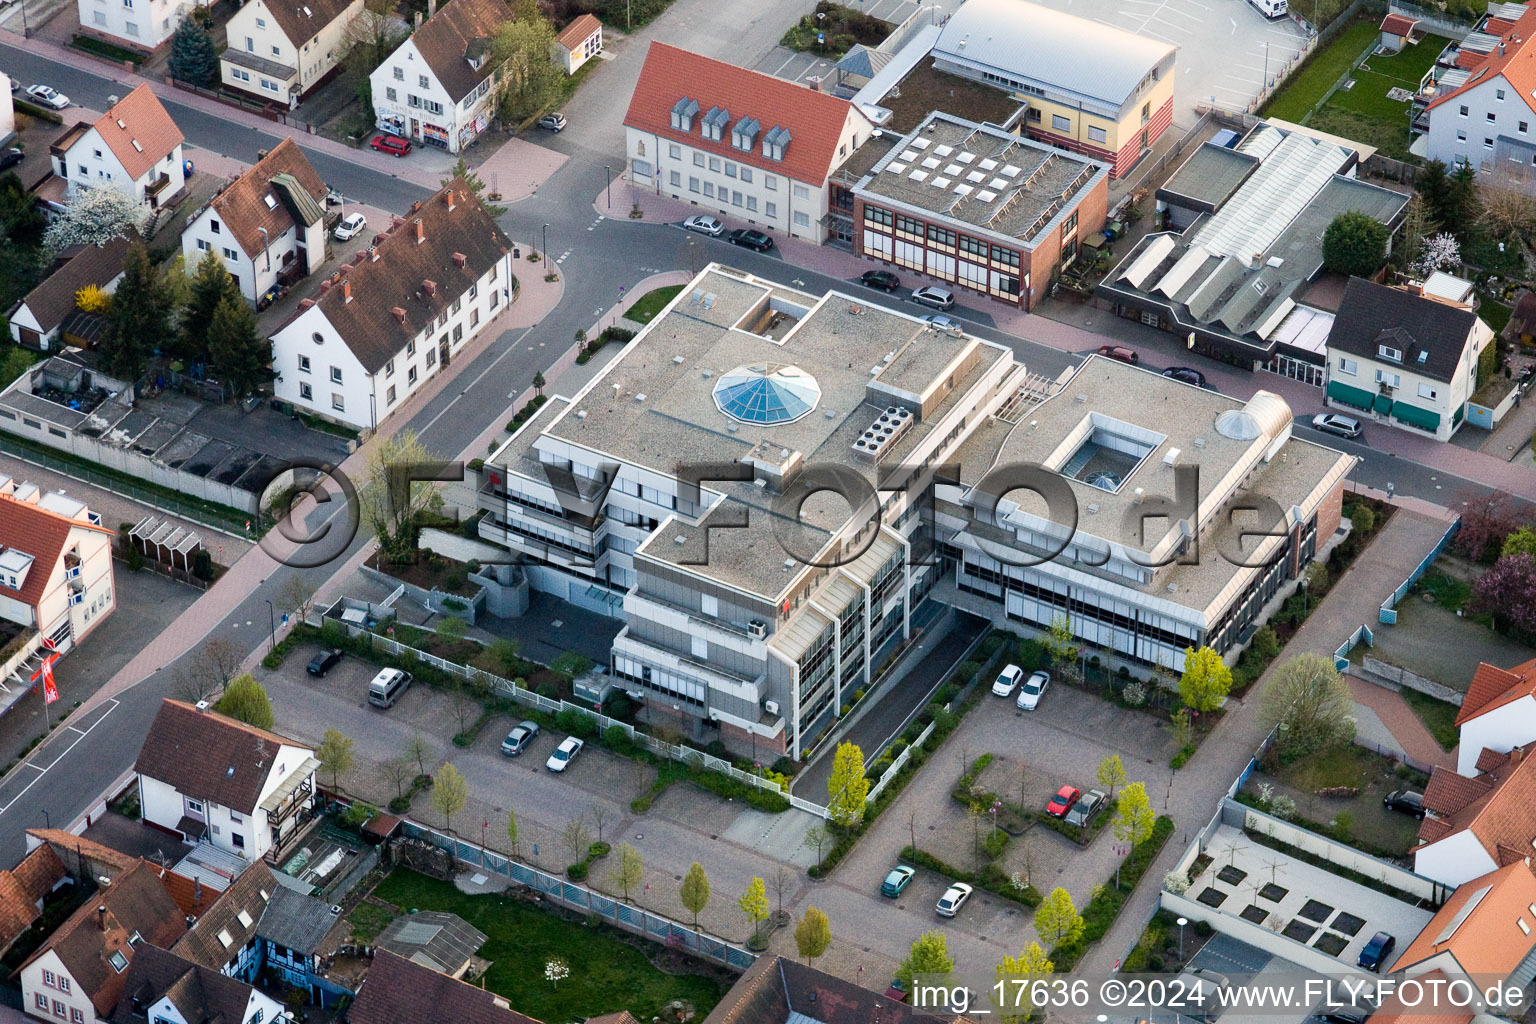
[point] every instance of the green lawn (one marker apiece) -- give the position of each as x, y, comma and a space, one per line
1342, 766
607, 975
1438, 716
1365, 113
1449, 592
651, 303
368, 920
1494, 313
1313, 81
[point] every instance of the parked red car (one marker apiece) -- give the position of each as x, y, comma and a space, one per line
1119, 352
1065, 797
394, 145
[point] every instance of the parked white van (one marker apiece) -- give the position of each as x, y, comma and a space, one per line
1272, 9
387, 687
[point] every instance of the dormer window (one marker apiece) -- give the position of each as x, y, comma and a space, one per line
744, 134
715, 122
775, 142
1388, 352
683, 113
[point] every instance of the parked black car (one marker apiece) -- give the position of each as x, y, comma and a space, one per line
751, 239
1406, 801
882, 279
1185, 375
10, 158
1375, 953
323, 662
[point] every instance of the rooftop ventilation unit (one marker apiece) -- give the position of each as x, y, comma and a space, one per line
1172, 457
893, 422
677, 360
757, 629
680, 540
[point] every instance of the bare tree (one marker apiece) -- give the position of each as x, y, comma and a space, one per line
600, 815
780, 882
912, 828
399, 771
577, 837
1508, 205
296, 594
209, 669
466, 707
418, 750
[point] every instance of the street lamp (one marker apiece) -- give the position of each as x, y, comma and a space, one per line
608, 188
1182, 922
546, 248
272, 624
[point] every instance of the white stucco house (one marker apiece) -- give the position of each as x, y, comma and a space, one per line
137, 24
163, 988
49, 316
55, 563
437, 88
207, 778
281, 49
7, 113
1484, 113
1497, 715
396, 314
1405, 358
1476, 824
737, 142
268, 225
134, 146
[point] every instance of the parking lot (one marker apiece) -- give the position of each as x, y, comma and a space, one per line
1061, 742
1225, 46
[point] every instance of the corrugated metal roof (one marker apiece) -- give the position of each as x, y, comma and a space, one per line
1283, 185
1051, 48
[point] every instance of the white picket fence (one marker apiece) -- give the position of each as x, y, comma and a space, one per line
899, 761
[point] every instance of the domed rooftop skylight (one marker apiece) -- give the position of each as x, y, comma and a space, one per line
769, 393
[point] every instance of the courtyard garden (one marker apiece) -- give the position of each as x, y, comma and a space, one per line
610, 970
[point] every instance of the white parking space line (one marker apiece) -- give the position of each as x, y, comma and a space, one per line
42, 770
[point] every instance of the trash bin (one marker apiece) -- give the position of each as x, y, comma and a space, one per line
517, 253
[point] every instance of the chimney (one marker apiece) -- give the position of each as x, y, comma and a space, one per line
416, 206
418, 19
101, 917
421, 232
459, 259
197, 889
448, 199
399, 314
431, 7
346, 292
373, 254
430, 287
1515, 754
306, 303
261, 154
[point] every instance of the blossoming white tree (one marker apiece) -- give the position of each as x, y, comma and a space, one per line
556, 971
94, 216
1439, 252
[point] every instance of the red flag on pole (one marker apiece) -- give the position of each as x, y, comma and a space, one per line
50, 688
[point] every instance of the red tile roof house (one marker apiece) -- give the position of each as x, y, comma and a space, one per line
78, 974
1476, 825
1489, 121
406, 304
55, 570
209, 778
737, 142
1486, 932
1498, 713
134, 146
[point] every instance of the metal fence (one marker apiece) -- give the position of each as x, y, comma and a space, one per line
579, 897
1341, 656
509, 689
1388, 613
1434, 22
899, 762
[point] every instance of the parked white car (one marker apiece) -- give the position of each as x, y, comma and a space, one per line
1007, 679
47, 97
953, 899
705, 225
564, 754
350, 227
1034, 688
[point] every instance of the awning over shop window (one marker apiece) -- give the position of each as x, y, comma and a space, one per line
1357, 397
1416, 417
1382, 404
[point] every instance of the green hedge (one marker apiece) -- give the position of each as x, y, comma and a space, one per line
720, 785
1108, 899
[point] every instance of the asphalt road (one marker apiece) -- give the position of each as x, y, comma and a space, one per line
595, 256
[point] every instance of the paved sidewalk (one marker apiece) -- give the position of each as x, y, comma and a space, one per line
1404, 727
1198, 788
